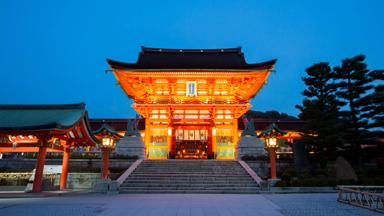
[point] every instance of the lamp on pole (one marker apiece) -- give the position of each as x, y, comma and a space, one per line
107, 144
271, 142
108, 136
271, 136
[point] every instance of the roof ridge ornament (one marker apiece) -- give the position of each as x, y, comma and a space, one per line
158, 49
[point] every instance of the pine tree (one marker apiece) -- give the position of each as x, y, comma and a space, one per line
320, 111
354, 83
375, 105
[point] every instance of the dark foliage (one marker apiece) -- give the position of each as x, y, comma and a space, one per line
320, 109
375, 105
344, 110
354, 82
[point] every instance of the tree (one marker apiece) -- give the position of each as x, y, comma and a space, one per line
354, 83
376, 104
320, 111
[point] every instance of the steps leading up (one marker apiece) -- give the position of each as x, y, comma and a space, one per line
189, 176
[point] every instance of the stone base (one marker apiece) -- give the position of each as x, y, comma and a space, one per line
250, 145
131, 146
106, 186
273, 181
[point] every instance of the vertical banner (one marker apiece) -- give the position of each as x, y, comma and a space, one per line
224, 144
197, 135
191, 135
158, 147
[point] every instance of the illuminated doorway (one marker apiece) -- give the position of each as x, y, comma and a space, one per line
191, 143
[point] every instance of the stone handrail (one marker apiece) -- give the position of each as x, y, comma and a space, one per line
370, 197
250, 171
128, 172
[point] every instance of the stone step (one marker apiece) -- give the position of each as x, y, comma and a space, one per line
125, 185
188, 176
187, 165
189, 188
177, 181
133, 180
188, 191
190, 170
202, 191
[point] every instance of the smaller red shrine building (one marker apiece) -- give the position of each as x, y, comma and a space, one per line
42, 129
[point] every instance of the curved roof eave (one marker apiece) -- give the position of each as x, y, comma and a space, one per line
40, 117
267, 65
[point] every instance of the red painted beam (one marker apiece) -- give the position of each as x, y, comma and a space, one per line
26, 149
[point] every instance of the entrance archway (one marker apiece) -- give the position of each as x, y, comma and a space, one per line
192, 142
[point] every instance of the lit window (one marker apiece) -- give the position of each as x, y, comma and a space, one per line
161, 81
163, 117
191, 116
191, 111
191, 88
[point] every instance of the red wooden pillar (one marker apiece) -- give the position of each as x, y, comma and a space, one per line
38, 181
210, 141
173, 142
64, 169
105, 169
272, 158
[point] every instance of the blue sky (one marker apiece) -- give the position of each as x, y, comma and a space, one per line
54, 52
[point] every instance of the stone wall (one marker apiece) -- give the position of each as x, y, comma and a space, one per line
14, 179
29, 164
262, 167
20, 170
82, 180
50, 182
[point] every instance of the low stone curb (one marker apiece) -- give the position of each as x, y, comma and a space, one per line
290, 190
22, 194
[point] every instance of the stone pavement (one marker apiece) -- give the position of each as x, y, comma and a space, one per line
180, 204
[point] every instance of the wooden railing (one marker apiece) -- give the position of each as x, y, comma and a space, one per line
370, 197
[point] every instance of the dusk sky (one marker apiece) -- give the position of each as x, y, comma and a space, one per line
53, 52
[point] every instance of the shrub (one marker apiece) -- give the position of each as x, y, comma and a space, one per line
281, 184
262, 158
248, 158
288, 174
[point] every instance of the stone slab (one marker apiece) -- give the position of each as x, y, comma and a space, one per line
131, 146
182, 204
250, 145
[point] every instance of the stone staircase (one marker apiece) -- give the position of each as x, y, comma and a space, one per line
189, 176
